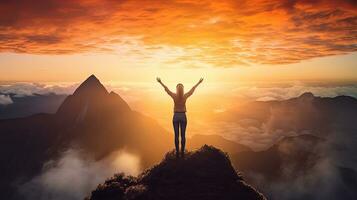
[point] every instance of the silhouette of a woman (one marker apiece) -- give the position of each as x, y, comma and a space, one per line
179, 119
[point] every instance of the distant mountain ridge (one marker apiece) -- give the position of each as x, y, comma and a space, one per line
24, 106
305, 112
217, 141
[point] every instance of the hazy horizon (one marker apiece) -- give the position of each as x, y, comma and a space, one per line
209, 100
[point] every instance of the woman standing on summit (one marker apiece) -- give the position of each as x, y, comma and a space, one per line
179, 120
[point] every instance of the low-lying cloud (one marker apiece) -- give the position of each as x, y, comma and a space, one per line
74, 175
292, 90
330, 175
5, 99
21, 89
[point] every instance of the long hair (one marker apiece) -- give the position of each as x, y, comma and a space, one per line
179, 90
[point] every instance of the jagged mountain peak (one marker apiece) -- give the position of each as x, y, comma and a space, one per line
92, 77
307, 95
91, 85
90, 99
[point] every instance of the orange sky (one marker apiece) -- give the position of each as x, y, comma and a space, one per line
134, 41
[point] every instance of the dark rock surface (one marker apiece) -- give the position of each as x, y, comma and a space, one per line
203, 174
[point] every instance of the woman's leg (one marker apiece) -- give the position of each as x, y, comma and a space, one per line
176, 129
183, 125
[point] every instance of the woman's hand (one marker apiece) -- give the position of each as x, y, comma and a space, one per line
200, 81
158, 79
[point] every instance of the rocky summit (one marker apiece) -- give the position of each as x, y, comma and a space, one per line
206, 173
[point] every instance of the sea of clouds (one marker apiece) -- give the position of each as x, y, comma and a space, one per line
74, 175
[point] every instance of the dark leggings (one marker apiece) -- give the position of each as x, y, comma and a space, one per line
180, 122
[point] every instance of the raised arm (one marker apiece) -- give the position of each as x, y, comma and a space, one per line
165, 87
189, 93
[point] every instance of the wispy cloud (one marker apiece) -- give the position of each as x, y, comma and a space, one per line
28, 89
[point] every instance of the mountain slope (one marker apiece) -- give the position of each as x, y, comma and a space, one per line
204, 174
24, 106
306, 112
228, 146
297, 152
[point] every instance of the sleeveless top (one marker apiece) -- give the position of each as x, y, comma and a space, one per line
179, 102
